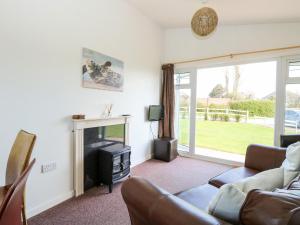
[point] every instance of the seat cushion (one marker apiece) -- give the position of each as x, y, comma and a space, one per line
231, 176
199, 197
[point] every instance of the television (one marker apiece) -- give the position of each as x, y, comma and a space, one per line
156, 113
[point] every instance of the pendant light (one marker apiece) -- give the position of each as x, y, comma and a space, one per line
204, 21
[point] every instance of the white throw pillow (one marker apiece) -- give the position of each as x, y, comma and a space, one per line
227, 203
267, 180
292, 161
291, 164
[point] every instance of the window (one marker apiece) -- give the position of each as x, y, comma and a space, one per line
294, 69
183, 109
292, 98
182, 79
235, 108
183, 117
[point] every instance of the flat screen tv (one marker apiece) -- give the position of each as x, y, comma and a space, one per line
155, 113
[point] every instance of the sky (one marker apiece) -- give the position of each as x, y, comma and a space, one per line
258, 79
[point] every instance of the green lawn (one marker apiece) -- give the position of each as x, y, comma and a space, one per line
115, 131
227, 136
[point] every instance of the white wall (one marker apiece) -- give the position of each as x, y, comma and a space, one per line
40, 68
182, 44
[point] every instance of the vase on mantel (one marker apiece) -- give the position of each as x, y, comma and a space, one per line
107, 112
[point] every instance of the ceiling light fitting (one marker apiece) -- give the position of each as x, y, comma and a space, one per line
204, 21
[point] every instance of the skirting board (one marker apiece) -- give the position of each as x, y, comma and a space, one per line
47, 205
137, 162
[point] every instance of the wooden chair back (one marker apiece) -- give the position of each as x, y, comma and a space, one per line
19, 156
11, 207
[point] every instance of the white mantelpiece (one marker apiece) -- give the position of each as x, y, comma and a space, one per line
78, 128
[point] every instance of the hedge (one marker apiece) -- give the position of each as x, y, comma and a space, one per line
264, 108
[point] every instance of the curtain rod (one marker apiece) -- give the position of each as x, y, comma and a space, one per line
237, 54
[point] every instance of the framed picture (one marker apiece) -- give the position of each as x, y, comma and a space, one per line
101, 71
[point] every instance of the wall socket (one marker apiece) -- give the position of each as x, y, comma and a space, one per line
48, 167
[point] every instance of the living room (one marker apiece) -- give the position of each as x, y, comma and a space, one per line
157, 53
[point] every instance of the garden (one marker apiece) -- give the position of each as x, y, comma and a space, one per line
230, 137
230, 128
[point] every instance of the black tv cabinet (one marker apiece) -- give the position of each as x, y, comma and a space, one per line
114, 164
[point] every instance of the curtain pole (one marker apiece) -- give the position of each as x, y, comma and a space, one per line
236, 54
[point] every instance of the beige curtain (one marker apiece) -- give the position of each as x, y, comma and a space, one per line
166, 126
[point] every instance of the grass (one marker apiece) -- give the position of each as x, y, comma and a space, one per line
115, 131
227, 136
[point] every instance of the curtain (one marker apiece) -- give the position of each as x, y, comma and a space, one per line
166, 126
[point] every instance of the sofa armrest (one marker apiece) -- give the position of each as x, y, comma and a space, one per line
149, 205
261, 157
265, 208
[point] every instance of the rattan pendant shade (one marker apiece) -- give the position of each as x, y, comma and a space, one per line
204, 21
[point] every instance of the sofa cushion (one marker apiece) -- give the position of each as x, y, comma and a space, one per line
227, 203
232, 175
199, 196
270, 208
292, 161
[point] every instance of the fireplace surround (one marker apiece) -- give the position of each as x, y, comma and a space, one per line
78, 134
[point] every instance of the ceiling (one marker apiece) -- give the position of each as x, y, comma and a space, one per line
178, 13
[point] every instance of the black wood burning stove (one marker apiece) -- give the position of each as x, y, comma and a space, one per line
114, 164
106, 157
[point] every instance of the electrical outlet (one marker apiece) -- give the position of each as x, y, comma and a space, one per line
48, 167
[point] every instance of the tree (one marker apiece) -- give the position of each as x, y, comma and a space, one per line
236, 83
217, 92
184, 100
227, 82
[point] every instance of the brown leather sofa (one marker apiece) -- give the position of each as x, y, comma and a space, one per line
271, 208
150, 205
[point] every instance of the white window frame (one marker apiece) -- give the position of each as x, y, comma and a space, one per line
192, 86
287, 80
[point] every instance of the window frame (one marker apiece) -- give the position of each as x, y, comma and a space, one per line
287, 80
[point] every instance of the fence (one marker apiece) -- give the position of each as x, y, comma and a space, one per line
212, 112
292, 123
